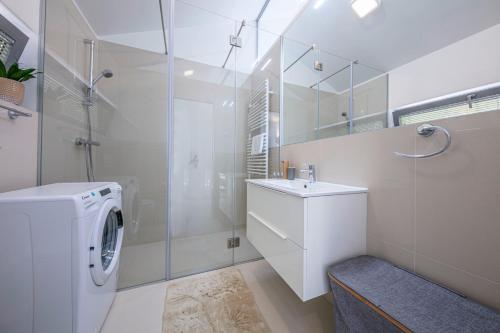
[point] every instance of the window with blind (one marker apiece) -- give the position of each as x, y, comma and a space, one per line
482, 100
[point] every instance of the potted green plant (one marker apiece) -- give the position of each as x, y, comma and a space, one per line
11, 82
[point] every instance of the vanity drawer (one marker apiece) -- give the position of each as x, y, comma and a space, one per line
284, 212
283, 255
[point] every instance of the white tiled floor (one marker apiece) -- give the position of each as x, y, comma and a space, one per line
140, 309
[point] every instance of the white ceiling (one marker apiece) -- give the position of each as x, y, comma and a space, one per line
202, 27
121, 16
113, 17
397, 33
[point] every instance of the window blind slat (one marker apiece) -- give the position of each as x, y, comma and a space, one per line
490, 103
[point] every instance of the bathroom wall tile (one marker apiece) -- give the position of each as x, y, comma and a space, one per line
63, 121
18, 143
390, 252
364, 161
302, 154
473, 286
458, 195
368, 159
65, 31
139, 169
390, 180
28, 11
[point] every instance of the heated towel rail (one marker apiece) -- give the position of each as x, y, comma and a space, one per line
258, 129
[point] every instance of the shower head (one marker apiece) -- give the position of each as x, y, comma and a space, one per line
107, 73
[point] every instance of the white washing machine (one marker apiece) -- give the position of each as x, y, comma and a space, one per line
59, 252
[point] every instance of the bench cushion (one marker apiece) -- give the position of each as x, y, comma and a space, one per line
373, 295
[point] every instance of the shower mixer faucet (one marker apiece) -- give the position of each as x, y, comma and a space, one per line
82, 142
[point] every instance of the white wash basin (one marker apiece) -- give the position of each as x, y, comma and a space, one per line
302, 188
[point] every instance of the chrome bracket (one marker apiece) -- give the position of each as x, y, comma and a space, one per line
235, 41
233, 242
470, 99
318, 66
13, 114
426, 130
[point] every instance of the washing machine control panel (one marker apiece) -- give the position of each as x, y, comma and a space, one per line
92, 197
105, 192
89, 199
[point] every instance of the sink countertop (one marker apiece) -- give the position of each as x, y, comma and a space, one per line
302, 188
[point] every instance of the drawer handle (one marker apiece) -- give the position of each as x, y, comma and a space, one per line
268, 226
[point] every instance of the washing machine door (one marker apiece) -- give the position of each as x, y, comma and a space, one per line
106, 242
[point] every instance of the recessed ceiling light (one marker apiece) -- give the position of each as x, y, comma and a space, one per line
189, 72
364, 7
318, 4
266, 64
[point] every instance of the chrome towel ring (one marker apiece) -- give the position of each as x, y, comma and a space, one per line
428, 130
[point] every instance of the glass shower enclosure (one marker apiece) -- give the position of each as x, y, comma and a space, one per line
180, 157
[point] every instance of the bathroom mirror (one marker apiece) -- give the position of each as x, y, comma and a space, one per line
397, 65
300, 101
317, 91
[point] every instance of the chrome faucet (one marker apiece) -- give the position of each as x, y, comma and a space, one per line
311, 171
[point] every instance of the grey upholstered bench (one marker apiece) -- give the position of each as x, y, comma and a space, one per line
372, 295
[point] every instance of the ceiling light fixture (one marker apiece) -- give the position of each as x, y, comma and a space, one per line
266, 64
318, 4
189, 72
364, 7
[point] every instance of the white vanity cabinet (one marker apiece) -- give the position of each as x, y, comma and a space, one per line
302, 229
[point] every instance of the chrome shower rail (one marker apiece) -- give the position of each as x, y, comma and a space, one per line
163, 27
300, 57
427, 130
243, 23
331, 75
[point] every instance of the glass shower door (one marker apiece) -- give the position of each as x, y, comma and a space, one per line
127, 114
203, 158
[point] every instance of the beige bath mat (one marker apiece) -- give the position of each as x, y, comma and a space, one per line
218, 301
